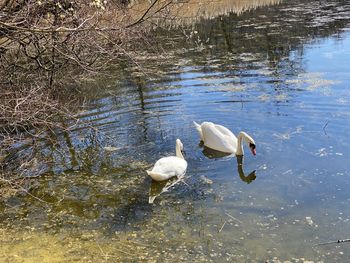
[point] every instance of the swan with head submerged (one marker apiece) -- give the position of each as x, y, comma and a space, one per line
220, 138
170, 166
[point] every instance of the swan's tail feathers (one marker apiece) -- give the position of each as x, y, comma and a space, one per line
157, 176
199, 129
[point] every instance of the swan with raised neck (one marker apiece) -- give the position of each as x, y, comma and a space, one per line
179, 148
170, 166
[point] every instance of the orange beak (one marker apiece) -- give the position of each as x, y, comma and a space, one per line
253, 152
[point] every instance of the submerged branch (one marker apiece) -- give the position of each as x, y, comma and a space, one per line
334, 242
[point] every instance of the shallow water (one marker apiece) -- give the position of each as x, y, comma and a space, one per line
281, 74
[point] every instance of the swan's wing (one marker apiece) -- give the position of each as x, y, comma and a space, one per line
219, 137
170, 166
225, 131
158, 176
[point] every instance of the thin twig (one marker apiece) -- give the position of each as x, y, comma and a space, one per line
234, 218
222, 226
324, 127
106, 256
184, 183
143, 16
334, 242
59, 29
23, 189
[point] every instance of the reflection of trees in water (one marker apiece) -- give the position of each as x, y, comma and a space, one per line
264, 45
190, 11
275, 31
122, 122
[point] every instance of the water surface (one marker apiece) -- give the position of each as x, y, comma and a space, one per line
278, 72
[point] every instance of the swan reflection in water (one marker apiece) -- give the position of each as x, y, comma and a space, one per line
250, 177
213, 154
157, 188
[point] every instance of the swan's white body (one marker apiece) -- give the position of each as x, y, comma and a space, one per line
220, 138
171, 166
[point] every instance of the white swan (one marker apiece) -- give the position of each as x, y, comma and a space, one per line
168, 167
220, 138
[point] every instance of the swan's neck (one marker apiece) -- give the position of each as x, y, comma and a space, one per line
241, 135
178, 151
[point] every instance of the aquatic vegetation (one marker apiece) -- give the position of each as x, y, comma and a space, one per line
312, 81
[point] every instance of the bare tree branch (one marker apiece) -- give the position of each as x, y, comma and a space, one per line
141, 19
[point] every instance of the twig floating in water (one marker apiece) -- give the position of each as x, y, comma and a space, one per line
324, 127
234, 218
334, 242
222, 226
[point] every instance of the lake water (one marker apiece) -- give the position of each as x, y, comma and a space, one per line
280, 72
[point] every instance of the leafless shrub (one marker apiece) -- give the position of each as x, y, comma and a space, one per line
45, 36
44, 45
27, 115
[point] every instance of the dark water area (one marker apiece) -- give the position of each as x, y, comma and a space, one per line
278, 72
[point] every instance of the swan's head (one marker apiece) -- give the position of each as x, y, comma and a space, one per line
252, 147
179, 144
251, 143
